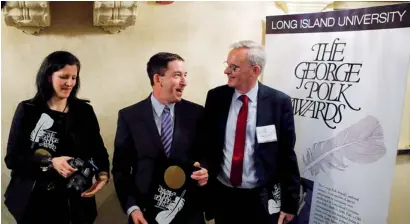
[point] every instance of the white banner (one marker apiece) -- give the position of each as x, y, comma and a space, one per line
346, 73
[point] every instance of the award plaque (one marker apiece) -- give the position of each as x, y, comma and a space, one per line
172, 190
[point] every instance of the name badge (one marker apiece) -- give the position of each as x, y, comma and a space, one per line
266, 133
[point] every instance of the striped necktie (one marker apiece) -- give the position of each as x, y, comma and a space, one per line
166, 130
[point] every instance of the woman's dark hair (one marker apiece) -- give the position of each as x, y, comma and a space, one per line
52, 63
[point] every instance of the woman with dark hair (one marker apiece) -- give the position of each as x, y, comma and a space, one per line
55, 149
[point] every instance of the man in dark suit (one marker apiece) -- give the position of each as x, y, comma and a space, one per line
250, 129
162, 129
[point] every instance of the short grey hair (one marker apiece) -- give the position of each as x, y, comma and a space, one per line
256, 52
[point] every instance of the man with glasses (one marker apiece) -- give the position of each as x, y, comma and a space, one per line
254, 175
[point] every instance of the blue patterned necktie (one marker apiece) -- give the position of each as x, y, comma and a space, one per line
166, 130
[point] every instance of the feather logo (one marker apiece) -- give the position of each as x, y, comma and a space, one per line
275, 203
361, 143
302, 202
166, 217
45, 122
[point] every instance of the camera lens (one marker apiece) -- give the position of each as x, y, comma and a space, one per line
78, 181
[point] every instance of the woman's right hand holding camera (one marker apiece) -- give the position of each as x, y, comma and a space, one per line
61, 165
138, 217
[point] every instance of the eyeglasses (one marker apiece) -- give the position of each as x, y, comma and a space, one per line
233, 67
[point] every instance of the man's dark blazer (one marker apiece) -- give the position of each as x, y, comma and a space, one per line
139, 151
275, 162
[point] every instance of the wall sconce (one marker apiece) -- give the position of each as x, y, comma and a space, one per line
164, 2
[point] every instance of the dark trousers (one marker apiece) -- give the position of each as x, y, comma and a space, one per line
240, 206
52, 207
46, 207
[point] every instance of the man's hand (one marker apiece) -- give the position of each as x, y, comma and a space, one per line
138, 217
61, 166
201, 175
285, 218
97, 186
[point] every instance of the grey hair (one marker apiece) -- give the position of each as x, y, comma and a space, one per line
256, 53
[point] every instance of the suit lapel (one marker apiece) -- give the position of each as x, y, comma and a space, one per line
262, 111
224, 107
178, 115
151, 126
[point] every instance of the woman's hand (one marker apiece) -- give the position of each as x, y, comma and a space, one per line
61, 166
102, 180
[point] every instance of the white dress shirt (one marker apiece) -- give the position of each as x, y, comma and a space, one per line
249, 179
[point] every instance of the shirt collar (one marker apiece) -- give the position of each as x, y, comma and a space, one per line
252, 94
159, 107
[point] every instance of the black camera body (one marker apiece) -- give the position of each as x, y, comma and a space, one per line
85, 169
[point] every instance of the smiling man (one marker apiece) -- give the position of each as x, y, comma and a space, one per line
251, 137
152, 134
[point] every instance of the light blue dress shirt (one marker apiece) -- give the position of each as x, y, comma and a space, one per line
158, 108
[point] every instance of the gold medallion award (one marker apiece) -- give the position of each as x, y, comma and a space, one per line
174, 177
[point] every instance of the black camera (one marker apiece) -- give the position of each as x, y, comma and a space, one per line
85, 170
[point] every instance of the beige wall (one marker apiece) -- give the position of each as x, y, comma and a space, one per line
404, 139
113, 74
